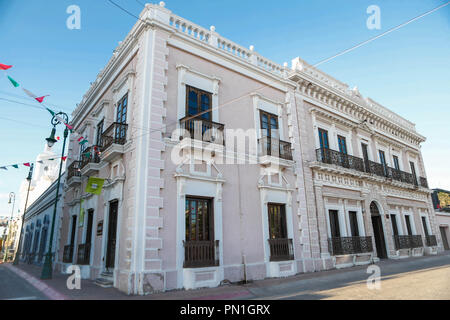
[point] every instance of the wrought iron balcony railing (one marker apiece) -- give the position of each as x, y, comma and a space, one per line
68, 254
74, 169
115, 134
90, 156
281, 249
431, 241
423, 182
341, 159
407, 241
203, 130
275, 147
349, 245
198, 254
83, 254
329, 156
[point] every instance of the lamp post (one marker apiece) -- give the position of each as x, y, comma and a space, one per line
19, 245
12, 195
47, 269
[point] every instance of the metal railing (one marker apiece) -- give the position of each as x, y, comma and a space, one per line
281, 249
203, 130
407, 242
74, 169
68, 254
330, 156
115, 134
349, 245
423, 182
198, 254
84, 254
341, 159
431, 241
275, 147
90, 156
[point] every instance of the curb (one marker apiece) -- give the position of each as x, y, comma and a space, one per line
38, 284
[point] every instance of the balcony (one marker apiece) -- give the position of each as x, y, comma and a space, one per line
90, 161
202, 130
200, 254
83, 254
74, 174
337, 158
340, 159
113, 140
423, 182
281, 249
274, 152
68, 254
431, 241
349, 245
408, 242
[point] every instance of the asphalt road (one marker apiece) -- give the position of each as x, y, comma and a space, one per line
424, 278
13, 287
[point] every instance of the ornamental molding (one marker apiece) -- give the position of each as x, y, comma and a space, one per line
123, 80
197, 73
259, 96
334, 176
357, 108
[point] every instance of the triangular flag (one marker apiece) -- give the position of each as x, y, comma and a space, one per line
4, 66
15, 166
40, 99
80, 138
83, 142
63, 158
29, 93
4, 168
40, 161
27, 164
14, 82
51, 112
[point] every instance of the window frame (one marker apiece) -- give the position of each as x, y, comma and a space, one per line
281, 231
199, 93
209, 225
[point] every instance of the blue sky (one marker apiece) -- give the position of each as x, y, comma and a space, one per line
406, 71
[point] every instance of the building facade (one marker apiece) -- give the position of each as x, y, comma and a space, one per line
209, 154
441, 203
37, 219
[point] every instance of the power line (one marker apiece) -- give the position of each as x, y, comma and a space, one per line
23, 122
27, 98
381, 35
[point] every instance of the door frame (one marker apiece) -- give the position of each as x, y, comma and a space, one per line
381, 215
106, 222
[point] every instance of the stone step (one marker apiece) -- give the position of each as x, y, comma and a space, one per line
104, 282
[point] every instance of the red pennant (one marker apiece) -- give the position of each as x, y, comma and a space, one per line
63, 158
81, 138
57, 138
4, 67
26, 164
40, 99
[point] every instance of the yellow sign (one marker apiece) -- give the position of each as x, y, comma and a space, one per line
95, 185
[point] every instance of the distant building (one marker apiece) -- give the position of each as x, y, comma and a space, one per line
39, 211
441, 203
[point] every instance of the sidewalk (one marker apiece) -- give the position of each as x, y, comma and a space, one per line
308, 283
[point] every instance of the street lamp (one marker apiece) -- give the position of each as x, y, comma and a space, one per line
30, 175
12, 195
47, 268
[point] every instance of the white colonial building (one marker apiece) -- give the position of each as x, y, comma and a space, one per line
221, 165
